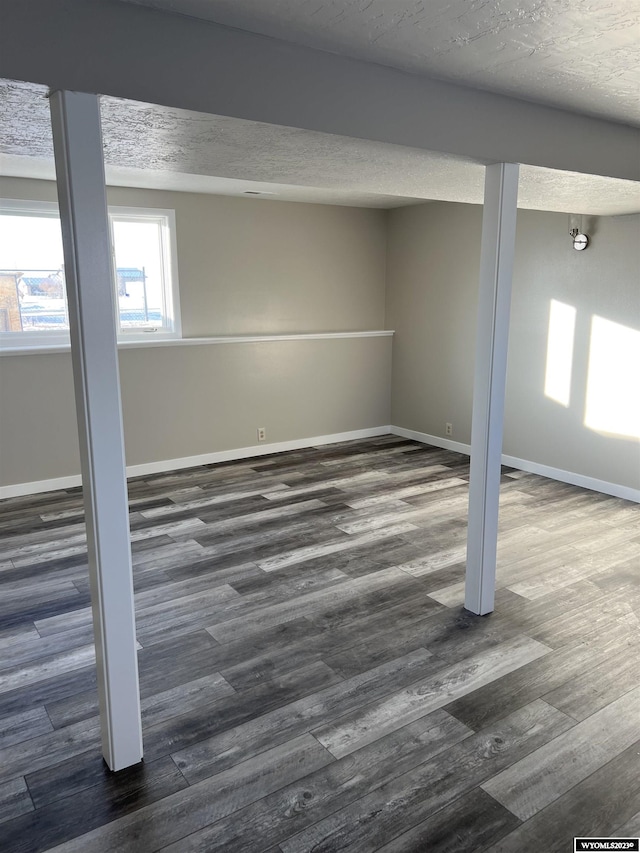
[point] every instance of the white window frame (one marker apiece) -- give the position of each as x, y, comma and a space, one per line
171, 296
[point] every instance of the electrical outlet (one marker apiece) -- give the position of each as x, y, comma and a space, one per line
262, 433
448, 428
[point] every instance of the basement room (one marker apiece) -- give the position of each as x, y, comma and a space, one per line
320, 428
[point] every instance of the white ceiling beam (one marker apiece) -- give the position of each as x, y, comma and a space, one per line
121, 49
75, 119
494, 302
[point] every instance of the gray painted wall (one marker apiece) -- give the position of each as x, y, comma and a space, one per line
321, 269
432, 271
432, 303
185, 401
121, 49
246, 266
250, 266
602, 282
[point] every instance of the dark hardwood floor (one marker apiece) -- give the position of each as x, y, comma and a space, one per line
309, 678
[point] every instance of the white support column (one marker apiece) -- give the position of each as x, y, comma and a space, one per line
77, 138
496, 269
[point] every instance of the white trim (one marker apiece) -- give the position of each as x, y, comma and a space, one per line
435, 440
36, 487
250, 339
162, 466
606, 488
70, 482
12, 343
613, 489
222, 339
24, 207
255, 450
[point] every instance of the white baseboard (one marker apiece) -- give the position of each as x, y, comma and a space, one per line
17, 490
34, 488
618, 491
614, 489
254, 450
435, 440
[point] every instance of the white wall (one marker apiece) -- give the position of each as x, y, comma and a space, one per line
246, 267
432, 302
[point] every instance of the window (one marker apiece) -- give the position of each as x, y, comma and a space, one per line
33, 305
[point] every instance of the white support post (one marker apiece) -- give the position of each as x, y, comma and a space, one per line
496, 270
77, 138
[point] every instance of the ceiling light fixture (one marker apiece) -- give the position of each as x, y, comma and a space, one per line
580, 240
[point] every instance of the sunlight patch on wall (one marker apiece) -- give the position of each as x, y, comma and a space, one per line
562, 326
613, 395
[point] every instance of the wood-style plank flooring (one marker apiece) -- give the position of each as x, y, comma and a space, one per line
309, 678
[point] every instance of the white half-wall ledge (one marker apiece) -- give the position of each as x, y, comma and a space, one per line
191, 342
163, 466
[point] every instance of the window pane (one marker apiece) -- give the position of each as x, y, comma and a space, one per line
139, 273
32, 290
33, 308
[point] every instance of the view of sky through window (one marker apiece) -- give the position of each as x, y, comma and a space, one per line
32, 282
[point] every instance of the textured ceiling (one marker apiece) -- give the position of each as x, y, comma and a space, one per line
164, 148
581, 55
